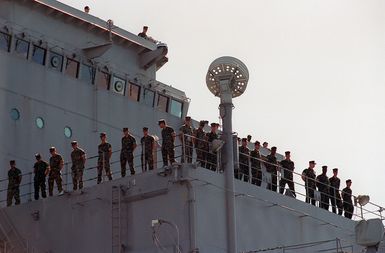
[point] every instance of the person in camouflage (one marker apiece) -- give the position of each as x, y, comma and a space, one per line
56, 165
104, 152
212, 155
127, 152
287, 178
244, 153
168, 139
335, 197
185, 136
322, 182
308, 175
255, 161
78, 157
347, 199
14, 180
40, 169
147, 156
200, 143
272, 167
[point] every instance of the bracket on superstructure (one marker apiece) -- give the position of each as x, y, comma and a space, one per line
158, 57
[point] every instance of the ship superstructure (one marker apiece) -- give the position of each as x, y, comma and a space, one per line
68, 75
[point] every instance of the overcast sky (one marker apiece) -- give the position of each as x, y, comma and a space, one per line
317, 73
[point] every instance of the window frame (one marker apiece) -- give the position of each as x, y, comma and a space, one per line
22, 54
181, 107
167, 104
68, 59
9, 41
129, 93
153, 97
34, 46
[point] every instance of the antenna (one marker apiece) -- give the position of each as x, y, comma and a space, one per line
110, 25
227, 78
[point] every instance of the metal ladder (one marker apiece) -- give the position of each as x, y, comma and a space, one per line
11, 239
118, 220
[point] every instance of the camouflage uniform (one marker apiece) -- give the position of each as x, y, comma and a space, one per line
40, 169
287, 178
14, 180
244, 153
55, 163
201, 146
335, 197
77, 169
323, 188
211, 155
271, 167
168, 152
310, 185
348, 203
147, 152
187, 147
104, 161
126, 154
256, 171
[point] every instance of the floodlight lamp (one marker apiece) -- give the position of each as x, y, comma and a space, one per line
363, 199
227, 70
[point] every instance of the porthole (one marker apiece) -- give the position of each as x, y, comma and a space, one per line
15, 114
67, 132
39, 122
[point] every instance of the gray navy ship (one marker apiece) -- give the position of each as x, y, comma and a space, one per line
67, 75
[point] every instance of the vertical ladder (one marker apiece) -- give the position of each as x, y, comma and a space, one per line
115, 221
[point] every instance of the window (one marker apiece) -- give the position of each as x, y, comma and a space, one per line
102, 80
5, 41
39, 122
15, 114
38, 55
55, 61
67, 132
163, 103
118, 85
134, 92
87, 73
72, 68
148, 97
22, 48
176, 108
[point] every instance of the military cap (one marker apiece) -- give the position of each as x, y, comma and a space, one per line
161, 121
74, 142
287, 153
265, 143
348, 181
52, 149
244, 139
145, 27
12, 162
275, 148
145, 128
335, 169
187, 118
313, 162
213, 124
125, 129
257, 143
324, 167
102, 134
37, 156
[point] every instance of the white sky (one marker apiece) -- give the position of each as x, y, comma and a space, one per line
317, 72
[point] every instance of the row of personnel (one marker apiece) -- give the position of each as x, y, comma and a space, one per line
250, 164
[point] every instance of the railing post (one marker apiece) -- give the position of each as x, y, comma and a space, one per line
30, 186
66, 176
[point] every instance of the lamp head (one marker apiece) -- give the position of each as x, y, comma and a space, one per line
363, 199
228, 70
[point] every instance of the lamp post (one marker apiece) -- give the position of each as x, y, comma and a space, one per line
227, 78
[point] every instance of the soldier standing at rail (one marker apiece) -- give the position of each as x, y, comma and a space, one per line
127, 152
168, 139
323, 188
308, 175
185, 136
78, 157
335, 197
288, 168
212, 154
244, 153
347, 198
147, 157
14, 180
41, 170
56, 165
200, 143
105, 152
272, 167
255, 160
